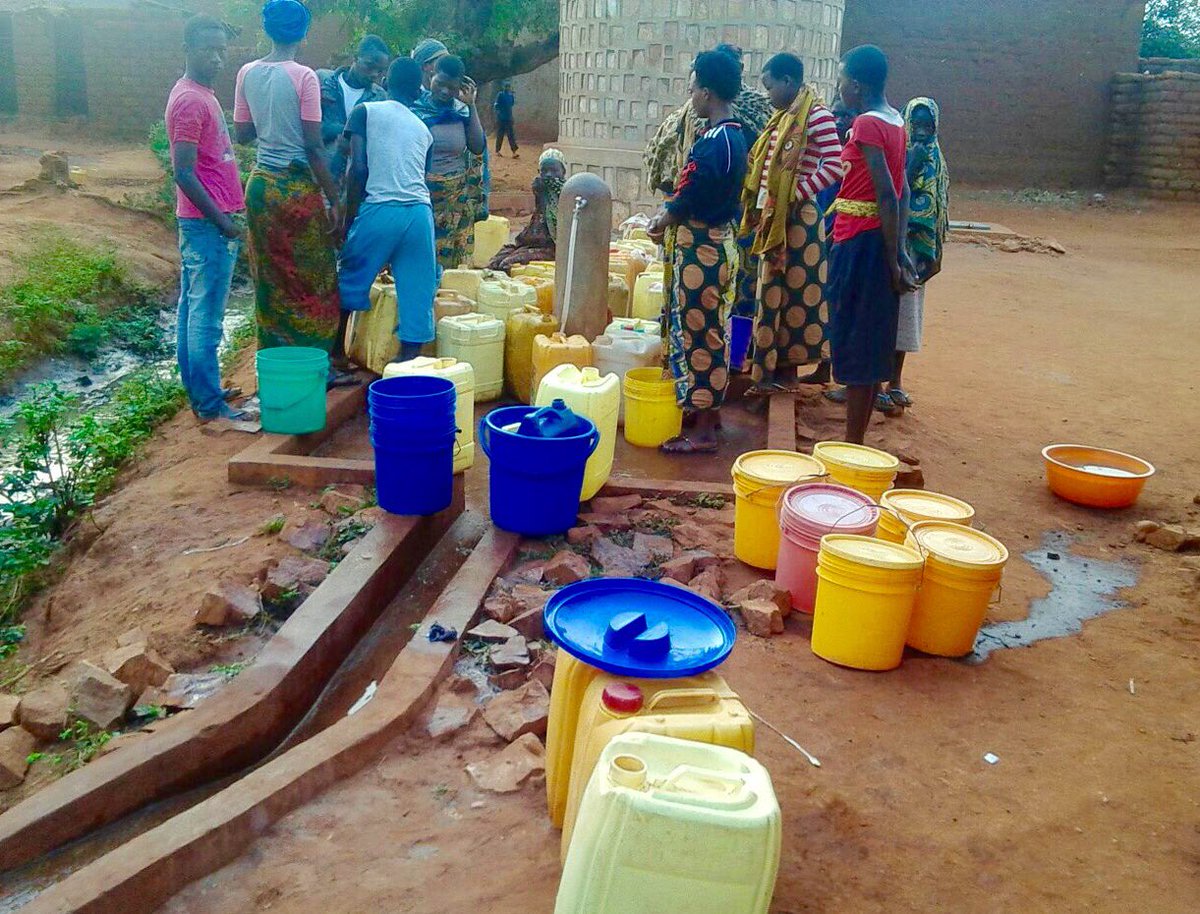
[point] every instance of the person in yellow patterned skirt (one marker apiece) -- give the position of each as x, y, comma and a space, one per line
797, 157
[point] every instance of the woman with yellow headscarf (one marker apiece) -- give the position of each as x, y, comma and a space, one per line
797, 156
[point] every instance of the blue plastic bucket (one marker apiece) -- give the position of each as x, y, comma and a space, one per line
291, 389
412, 432
535, 482
740, 329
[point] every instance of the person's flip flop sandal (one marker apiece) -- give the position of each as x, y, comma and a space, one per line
900, 398
683, 445
767, 390
837, 395
884, 404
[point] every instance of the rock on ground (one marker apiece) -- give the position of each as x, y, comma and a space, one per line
524, 710
492, 632
500, 607
451, 714
44, 712
543, 670
764, 589
229, 604
138, 667
583, 536
15, 746
526, 597
308, 537
1168, 537
99, 698
511, 655
708, 584
762, 618
618, 504
185, 690
291, 573
529, 624
8, 710
567, 567
512, 768
616, 560
131, 637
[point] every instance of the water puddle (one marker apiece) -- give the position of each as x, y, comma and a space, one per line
1082, 589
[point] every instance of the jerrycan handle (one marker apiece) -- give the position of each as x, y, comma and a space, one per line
708, 789
674, 698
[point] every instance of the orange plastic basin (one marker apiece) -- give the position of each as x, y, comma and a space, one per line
1095, 476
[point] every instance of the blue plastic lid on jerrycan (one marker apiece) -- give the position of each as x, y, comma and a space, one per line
639, 628
553, 421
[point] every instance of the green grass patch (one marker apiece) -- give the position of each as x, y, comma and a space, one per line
71, 299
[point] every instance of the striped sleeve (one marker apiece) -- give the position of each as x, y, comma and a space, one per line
823, 157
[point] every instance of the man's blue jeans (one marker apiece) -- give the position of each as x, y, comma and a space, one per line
207, 259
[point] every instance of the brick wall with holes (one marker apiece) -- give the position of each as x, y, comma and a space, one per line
1023, 84
1155, 135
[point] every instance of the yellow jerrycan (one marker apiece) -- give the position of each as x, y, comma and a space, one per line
490, 236
648, 297
618, 296
477, 340
543, 287
523, 326
669, 826
463, 281
558, 349
499, 298
707, 711
371, 337
451, 304
598, 397
463, 377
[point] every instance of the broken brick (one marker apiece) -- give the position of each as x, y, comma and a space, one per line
449, 715
512, 768
309, 537
15, 746
526, 597
652, 549
529, 624
567, 567
583, 536
290, 574
492, 632
43, 712
512, 654
762, 618
501, 607
708, 584
228, 604
618, 504
138, 667
764, 589
8, 710
524, 710
99, 698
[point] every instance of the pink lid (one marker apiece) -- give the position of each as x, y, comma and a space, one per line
817, 508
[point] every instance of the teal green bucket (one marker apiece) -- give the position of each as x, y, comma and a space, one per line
291, 389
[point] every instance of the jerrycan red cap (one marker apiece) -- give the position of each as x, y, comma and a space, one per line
623, 698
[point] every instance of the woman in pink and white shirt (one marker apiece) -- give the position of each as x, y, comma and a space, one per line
797, 156
293, 258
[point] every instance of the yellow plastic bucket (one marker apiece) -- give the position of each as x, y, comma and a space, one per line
963, 568
906, 507
866, 589
759, 480
652, 416
863, 468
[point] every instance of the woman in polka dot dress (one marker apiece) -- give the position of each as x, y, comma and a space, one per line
797, 157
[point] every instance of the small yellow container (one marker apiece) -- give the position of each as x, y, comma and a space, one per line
669, 826
759, 480
963, 568
618, 296
490, 237
477, 340
652, 415
371, 339
857, 466
543, 286
648, 297
554, 349
463, 377
906, 507
522, 327
704, 709
500, 298
866, 588
593, 395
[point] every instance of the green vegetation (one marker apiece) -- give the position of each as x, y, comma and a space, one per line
229, 670
11, 637
71, 299
274, 526
1171, 29
84, 742
59, 461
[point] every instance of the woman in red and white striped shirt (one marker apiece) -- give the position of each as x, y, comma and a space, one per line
797, 157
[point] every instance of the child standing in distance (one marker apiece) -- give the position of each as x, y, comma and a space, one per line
699, 226
869, 266
927, 225
505, 123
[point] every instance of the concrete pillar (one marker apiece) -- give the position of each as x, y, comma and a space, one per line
586, 305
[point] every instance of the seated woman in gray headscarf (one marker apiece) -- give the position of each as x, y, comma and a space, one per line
537, 240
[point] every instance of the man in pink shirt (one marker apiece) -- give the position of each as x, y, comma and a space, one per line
209, 207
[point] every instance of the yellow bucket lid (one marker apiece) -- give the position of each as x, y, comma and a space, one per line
958, 545
855, 456
918, 505
867, 550
776, 468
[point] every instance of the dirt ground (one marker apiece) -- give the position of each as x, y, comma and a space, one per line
1092, 805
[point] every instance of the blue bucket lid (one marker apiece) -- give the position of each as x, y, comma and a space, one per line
634, 627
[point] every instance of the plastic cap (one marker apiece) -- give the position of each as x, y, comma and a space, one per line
623, 698
959, 545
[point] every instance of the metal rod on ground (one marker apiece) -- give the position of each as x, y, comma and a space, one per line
580, 203
813, 760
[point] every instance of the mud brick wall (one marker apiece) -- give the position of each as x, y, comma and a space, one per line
626, 63
1168, 64
1023, 84
537, 103
1155, 136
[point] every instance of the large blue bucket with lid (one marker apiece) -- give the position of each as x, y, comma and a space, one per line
412, 432
535, 482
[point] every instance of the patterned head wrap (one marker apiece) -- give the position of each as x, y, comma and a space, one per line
929, 218
552, 155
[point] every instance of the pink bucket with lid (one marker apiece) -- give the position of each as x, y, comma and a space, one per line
807, 513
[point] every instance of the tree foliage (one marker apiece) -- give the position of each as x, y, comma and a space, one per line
1171, 29
496, 38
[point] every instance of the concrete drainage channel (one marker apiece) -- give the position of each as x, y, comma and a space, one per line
279, 734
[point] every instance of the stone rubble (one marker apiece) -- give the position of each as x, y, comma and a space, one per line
524, 710
514, 766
